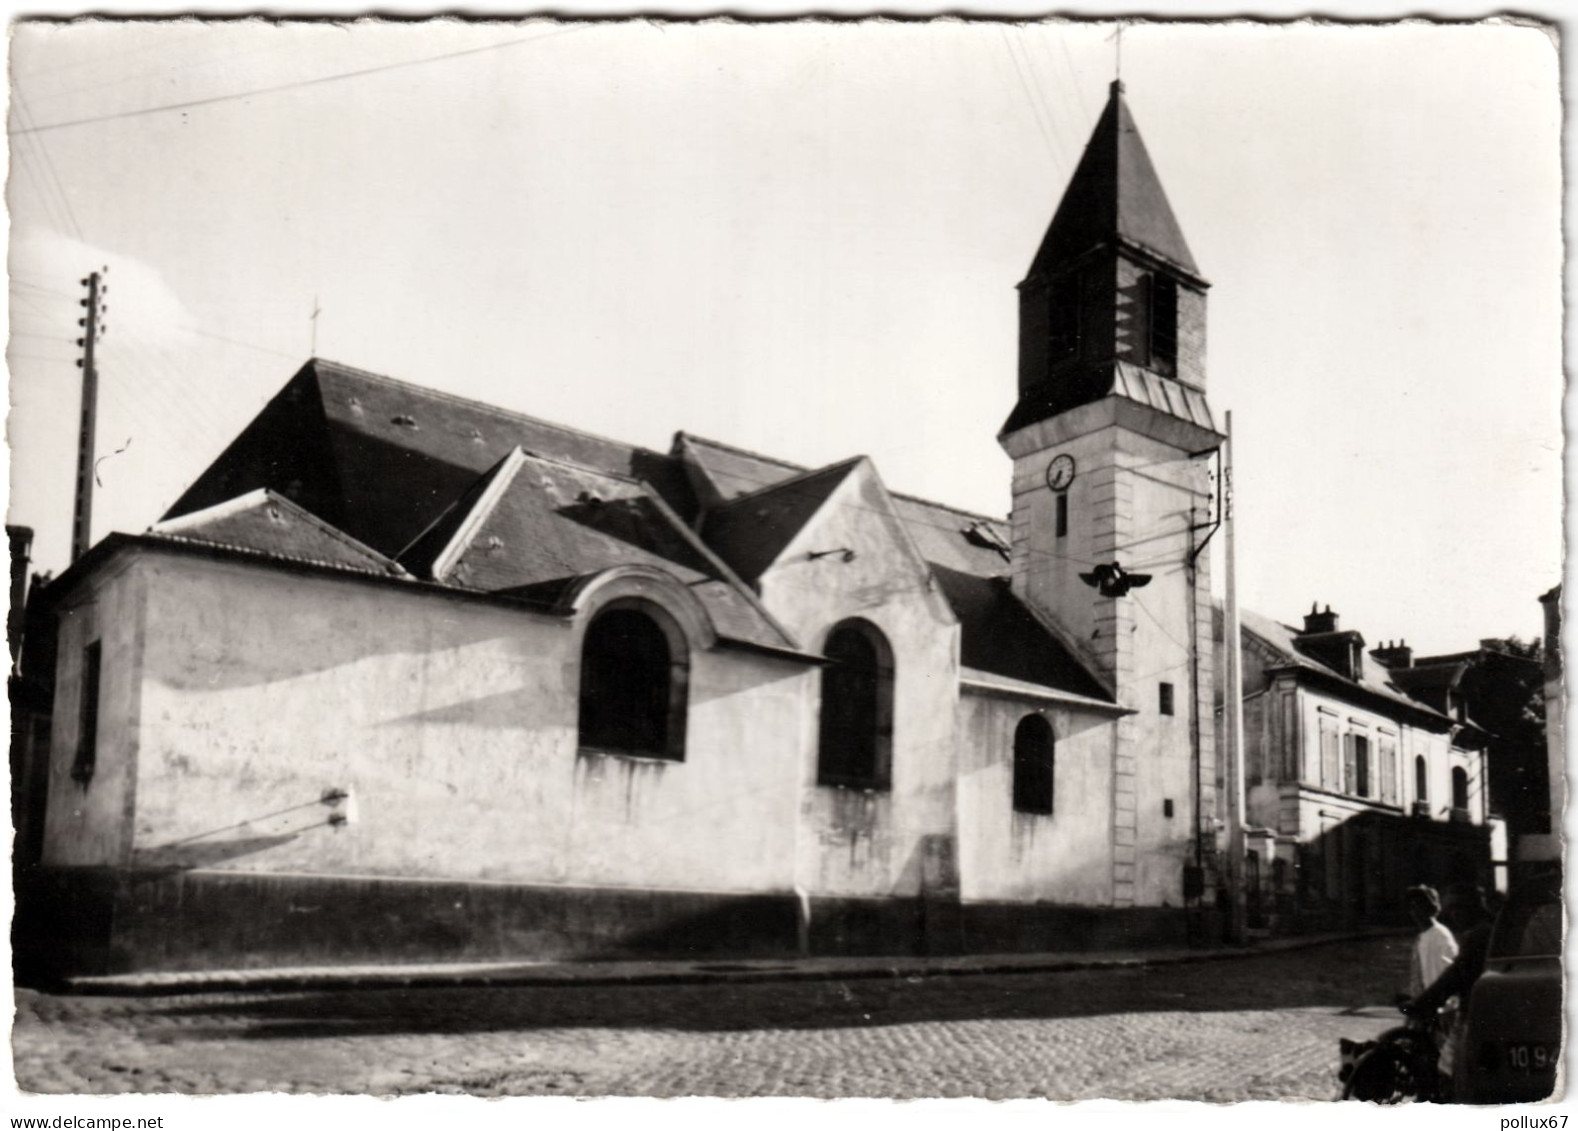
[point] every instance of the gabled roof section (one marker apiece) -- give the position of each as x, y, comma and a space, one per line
433, 554
537, 524
720, 473
269, 524
1114, 196
383, 459
1000, 635
1431, 683
944, 535
751, 531
1374, 678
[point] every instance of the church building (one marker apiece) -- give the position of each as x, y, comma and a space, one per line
404, 677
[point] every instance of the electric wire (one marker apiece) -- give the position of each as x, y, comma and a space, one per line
298, 84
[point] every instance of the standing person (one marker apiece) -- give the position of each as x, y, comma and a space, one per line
1469, 918
1434, 947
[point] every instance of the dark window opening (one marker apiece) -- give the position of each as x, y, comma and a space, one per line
1421, 780
1164, 324
1033, 765
1062, 515
1066, 315
854, 746
88, 716
1361, 761
1165, 703
1459, 788
632, 687
1167, 807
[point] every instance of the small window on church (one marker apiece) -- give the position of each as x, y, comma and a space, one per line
1165, 699
1164, 324
1421, 780
633, 685
1033, 765
856, 729
1062, 515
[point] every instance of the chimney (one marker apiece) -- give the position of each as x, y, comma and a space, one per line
1394, 655
1317, 621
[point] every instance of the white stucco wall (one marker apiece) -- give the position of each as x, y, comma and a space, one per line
453, 724
1064, 857
90, 822
872, 842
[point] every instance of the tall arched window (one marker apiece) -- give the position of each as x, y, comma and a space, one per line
1459, 787
1033, 765
633, 684
856, 734
1421, 779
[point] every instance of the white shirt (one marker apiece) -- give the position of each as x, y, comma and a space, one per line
1434, 950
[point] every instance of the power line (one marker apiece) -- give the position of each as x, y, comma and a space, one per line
1035, 111
23, 115
237, 342
297, 85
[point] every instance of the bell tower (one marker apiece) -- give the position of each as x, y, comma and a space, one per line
1112, 441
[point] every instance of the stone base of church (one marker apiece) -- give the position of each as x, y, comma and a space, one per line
84, 921
1014, 928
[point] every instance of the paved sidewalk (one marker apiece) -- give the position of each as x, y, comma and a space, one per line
674, 972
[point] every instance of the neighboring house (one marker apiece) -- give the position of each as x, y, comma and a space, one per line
1356, 788
1500, 691
405, 676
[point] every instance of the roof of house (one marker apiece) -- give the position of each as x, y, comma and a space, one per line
1432, 683
1374, 678
486, 500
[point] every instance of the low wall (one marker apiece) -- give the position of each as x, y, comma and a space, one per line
107, 921
101, 921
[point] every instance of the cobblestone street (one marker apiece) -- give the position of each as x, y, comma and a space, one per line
1263, 1027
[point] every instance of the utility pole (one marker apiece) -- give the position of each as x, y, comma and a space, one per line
1233, 712
82, 520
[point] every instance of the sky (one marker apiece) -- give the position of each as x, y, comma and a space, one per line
803, 239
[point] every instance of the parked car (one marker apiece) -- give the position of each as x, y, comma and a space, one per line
1512, 1037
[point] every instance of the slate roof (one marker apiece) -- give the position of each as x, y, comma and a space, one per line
536, 525
750, 531
943, 534
1374, 678
1114, 194
999, 635
383, 459
1115, 378
483, 499
276, 527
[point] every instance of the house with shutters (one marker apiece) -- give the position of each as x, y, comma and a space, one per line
1357, 784
404, 676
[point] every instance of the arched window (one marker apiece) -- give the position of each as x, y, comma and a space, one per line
1033, 765
1459, 787
1421, 779
856, 735
633, 684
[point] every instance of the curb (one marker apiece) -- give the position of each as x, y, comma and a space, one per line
568, 975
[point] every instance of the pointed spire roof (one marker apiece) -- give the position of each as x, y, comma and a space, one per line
1114, 194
